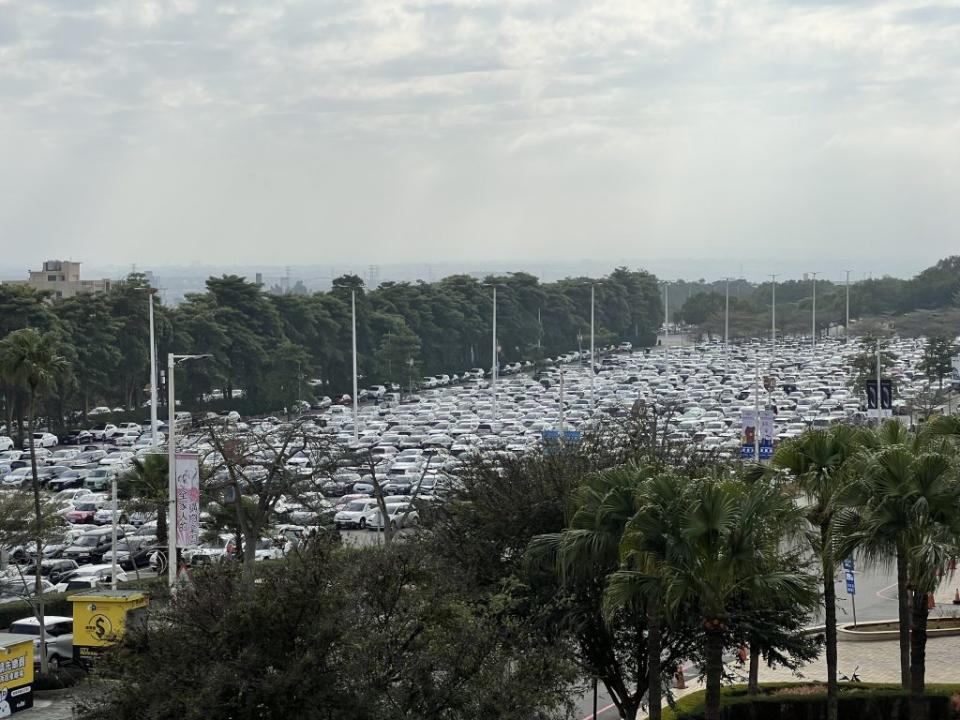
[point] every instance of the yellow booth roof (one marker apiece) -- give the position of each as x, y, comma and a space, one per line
109, 596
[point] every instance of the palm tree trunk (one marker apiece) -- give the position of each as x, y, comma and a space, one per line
903, 612
714, 668
753, 679
918, 657
38, 539
654, 647
830, 617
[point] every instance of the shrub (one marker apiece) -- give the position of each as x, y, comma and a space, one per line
856, 701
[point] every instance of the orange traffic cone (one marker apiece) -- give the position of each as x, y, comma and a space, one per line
681, 684
956, 597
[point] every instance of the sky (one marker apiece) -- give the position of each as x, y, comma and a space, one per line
748, 133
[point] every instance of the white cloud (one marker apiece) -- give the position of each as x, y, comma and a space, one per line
420, 127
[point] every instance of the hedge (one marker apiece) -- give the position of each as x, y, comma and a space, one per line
856, 702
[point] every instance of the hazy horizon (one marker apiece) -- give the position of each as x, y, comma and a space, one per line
754, 135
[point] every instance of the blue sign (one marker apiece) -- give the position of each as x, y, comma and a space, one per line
572, 435
851, 583
549, 434
746, 452
848, 564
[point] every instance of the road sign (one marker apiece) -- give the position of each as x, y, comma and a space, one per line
851, 583
572, 435
549, 434
848, 564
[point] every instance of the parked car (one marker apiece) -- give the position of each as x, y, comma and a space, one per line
90, 547
83, 513
59, 638
42, 440
353, 514
6, 443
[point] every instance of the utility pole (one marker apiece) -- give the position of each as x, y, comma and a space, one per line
814, 308
846, 327
726, 332
773, 318
593, 374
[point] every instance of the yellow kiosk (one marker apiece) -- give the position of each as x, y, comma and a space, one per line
100, 618
16, 673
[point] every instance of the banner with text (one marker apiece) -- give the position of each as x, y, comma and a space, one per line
188, 499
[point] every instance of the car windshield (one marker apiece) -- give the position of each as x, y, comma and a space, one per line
87, 541
355, 507
86, 507
25, 629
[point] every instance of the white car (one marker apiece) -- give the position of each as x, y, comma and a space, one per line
354, 514
399, 515
6, 443
42, 440
59, 637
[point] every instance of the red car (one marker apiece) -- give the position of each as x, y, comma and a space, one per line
83, 513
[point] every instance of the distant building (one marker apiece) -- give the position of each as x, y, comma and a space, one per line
61, 278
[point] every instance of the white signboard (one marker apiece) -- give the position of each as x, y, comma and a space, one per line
188, 499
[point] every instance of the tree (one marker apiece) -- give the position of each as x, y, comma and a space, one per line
905, 504
864, 364
819, 462
578, 562
315, 638
30, 360
721, 543
937, 362
147, 483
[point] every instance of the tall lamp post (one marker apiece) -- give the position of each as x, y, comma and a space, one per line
353, 322
773, 318
153, 368
846, 327
494, 360
593, 373
172, 361
814, 336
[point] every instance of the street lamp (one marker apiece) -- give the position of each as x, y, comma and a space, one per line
846, 327
773, 317
593, 373
814, 274
172, 361
153, 368
493, 353
353, 313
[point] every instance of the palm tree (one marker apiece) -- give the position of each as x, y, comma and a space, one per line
713, 548
147, 481
29, 360
586, 552
819, 463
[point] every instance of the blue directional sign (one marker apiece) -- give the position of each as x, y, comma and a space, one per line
848, 564
851, 583
572, 435
549, 434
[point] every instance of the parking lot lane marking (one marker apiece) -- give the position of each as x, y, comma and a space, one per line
601, 711
881, 591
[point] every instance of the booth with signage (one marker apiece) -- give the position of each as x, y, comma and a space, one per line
101, 617
16, 673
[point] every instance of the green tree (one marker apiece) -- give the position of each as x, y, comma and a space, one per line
147, 485
937, 361
819, 463
30, 360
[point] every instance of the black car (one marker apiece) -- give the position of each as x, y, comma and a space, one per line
76, 437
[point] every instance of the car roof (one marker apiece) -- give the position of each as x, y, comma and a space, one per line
32, 621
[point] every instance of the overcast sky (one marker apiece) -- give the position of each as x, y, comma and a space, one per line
285, 131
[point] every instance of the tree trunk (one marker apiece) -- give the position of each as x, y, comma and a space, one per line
714, 673
654, 646
919, 709
753, 679
830, 616
38, 539
903, 613
249, 558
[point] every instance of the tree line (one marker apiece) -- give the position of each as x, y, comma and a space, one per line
275, 346
915, 301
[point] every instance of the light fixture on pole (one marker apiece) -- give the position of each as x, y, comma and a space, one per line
773, 318
353, 322
814, 274
494, 359
172, 361
846, 327
153, 369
